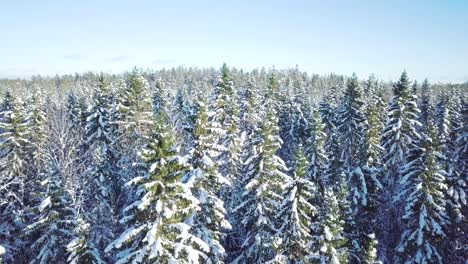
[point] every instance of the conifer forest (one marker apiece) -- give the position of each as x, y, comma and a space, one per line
222, 165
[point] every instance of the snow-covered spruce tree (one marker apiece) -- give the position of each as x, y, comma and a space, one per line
37, 130
104, 186
297, 213
134, 108
13, 175
250, 117
351, 128
77, 109
327, 113
442, 120
293, 112
156, 229
182, 118
226, 116
425, 105
375, 117
82, 249
315, 150
159, 100
330, 241
262, 195
333, 174
398, 136
209, 223
134, 118
423, 193
54, 225
457, 182
350, 125
249, 106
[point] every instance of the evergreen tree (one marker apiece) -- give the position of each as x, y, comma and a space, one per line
55, 222
297, 213
226, 117
375, 117
104, 186
37, 131
77, 111
183, 119
261, 198
327, 113
424, 216
14, 141
250, 118
156, 220
398, 137
333, 174
210, 222
351, 122
457, 181
331, 240
425, 105
82, 249
159, 100
363, 182
135, 115
315, 150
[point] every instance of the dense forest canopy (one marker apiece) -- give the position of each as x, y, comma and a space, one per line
230, 166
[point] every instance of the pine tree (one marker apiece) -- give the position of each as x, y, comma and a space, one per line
156, 220
398, 137
55, 222
424, 215
14, 141
297, 212
209, 223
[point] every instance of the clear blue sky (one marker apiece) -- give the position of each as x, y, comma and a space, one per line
427, 38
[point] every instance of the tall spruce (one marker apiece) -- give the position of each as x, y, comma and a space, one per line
156, 228
210, 222
14, 141
297, 213
423, 193
55, 223
262, 195
398, 136
104, 186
